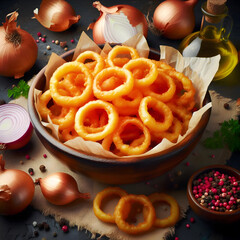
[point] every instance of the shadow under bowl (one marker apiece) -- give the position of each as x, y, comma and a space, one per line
214, 216
109, 170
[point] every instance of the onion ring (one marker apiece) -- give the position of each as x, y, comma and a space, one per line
67, 134
145, 64
174, 210
94, 105
163, 87
188, 91
100, 197
62, 116
118, 50
125, 148
123, 89
59, 74
132, 100
93, 56
182, 114
172, 133
148, 120
122, 211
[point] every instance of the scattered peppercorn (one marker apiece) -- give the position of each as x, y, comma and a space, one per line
42, 168
27, 157
35, 233
39, 34
187, 225
48, 47
21, 162
45, 155
226, 106
31, 171
65, 228
54, 234
63, 44
56, 42
40, 226
192, 219
65, 49
34, 223
2, 102
72, 41
46, 226
43, 40
176, 238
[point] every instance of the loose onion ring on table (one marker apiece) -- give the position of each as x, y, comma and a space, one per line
99, 199
58, 76
172, 219
122, 211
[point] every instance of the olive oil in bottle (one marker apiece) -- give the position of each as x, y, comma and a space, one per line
211, 40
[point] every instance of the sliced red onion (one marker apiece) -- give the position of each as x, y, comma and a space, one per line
15, 126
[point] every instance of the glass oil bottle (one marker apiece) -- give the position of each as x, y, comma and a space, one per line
211, 40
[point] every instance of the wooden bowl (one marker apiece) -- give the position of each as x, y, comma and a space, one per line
204, 212
106, 169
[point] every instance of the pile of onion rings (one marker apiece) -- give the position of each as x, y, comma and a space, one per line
125, 102
127, 206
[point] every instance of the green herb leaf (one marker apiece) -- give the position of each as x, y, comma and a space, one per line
228, 135
21, 89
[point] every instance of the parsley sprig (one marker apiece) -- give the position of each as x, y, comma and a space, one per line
228, 135
21, 89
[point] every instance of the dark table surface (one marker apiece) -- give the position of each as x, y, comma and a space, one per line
20, 226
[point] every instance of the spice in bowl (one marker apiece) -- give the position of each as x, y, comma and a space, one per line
217, 191
214, 193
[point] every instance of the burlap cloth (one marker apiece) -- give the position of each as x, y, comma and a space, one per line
80, 212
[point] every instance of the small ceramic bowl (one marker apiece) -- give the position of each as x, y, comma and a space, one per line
110, 170
206, 213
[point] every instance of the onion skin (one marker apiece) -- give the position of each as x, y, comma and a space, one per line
16, 190
56, 15
175, 19
18, 120
60, 189
16, 60
135, 17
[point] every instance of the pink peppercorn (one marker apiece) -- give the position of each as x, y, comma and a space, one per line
192, 219
45, 155
72, 41
223, 190
43, 40
187, 225
176, 238
65, 228
27, 157
39, 34
187, 164
235, 184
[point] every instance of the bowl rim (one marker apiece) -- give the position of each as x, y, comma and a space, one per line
170, 152
206, 169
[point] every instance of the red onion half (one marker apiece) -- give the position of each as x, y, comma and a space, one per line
15, 126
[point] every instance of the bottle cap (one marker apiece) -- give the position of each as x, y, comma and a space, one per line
216, 7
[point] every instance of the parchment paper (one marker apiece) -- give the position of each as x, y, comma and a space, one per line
200, 70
